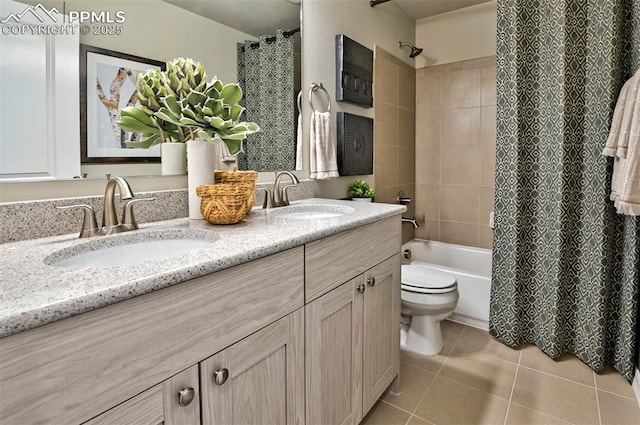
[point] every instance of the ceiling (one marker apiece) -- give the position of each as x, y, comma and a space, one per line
419, 9
258, 17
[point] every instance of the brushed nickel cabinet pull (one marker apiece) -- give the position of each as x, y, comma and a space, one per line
361, 288
186, 396
220, 376
371, 281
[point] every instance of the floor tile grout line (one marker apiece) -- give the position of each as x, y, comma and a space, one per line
513, 388
556, 376
616, 394
544, 413
595, 387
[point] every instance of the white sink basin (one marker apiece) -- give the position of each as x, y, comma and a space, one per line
128, 249
311, 212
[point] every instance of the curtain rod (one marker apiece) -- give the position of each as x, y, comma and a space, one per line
287, 34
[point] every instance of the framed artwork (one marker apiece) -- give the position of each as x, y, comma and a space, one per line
108, 84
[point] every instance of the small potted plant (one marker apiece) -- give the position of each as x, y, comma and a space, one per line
360, 190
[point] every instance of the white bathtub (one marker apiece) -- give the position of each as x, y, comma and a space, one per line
472, 268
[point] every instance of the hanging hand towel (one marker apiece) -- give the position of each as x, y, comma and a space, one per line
299, 144
323, 157
624, 145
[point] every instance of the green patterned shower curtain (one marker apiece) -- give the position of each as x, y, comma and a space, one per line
266, 74
565, 265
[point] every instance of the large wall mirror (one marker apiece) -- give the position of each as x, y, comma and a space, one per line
254, 42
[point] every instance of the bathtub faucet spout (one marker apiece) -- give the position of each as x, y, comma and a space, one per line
413, 222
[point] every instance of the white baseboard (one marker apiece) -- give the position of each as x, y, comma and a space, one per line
636, 385
469, 321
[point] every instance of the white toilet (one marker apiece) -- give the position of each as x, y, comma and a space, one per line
428, 296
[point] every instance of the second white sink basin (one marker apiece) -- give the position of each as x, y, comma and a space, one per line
128, 249
311, 212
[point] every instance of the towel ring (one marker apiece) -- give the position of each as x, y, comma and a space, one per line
314, 88
299, 101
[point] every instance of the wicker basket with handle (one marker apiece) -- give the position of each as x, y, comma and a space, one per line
243, 177
224, 203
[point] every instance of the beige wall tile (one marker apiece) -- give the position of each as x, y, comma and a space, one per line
460, 165
387, 160
386, 194
460, 127
484, 373
428, 201
428, 128
489, 85
558, 397
427, 166
459, 233
449, 402
485, 204
387, 117
389, 79
407, 90
406, 128
461, 89
459, 203
485, 237
408, 233
428, 86
407, 165
487, 165
616, 410
488, 126
429, 229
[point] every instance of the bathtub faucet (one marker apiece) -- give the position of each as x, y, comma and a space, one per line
413, 222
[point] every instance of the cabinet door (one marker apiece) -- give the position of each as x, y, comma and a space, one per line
334, 356
259, 380
381, 329
173, 402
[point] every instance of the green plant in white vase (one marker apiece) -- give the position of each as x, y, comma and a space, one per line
181, 104
360, 190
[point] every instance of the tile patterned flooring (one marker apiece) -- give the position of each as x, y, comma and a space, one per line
477, 380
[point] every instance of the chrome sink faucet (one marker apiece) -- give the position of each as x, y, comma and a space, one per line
110, 223
278, 197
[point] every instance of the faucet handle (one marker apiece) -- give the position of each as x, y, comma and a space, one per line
268, 198
128, 217
285, 196
89, 223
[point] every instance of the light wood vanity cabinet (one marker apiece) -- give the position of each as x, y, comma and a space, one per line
176, 401
353, 331
236, 338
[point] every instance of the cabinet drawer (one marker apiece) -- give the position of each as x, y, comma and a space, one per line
76, 368
332, 261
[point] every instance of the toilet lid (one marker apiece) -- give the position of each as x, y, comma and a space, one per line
426, 280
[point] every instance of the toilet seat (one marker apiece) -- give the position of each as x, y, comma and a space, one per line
420, 279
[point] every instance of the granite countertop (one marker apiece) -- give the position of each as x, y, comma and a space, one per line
33, 293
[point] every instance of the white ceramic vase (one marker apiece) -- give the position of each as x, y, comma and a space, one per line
174, 158
201, 156
362, 199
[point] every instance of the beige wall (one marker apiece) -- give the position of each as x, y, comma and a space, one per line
455, 151
322, 20
395, 120
463, 34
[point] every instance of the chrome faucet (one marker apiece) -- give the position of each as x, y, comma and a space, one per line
277, 197
413, 222
110, 223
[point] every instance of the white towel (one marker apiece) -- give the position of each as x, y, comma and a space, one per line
624, 145
299, 144
322, 149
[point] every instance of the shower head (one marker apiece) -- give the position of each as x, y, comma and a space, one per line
415, 51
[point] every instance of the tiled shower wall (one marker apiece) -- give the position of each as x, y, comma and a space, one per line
394, 102
455, 151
